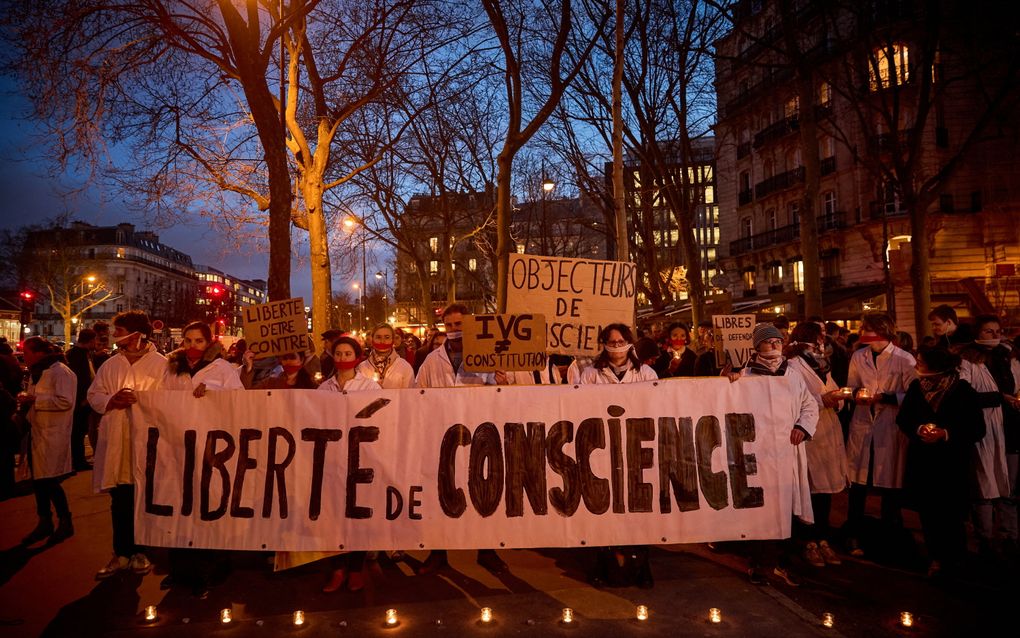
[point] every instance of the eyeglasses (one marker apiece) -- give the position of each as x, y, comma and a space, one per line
775, 343
617, 344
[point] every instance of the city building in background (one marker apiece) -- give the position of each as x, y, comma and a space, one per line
222, 297
863, 223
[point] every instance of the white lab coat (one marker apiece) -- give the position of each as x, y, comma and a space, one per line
437, 372
591, 374
397, 376
826, 454
112, 464
990, 468
358, 383
875, 426
52, 416
220, 374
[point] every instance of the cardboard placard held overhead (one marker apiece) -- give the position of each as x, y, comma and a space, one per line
276, 328
504, 342
733, 333
577, 296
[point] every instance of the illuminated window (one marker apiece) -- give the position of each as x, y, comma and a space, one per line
889, 66
824, 93
433, 266
434, 244
472, 265
798, 275
520, 249
749, 280
792, 107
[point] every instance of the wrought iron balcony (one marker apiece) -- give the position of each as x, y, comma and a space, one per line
779, 182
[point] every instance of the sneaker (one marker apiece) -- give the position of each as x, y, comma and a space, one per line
335, 582
854, 547
140, 564
42, 531
829, 555
786, 576
116, 564
812, 556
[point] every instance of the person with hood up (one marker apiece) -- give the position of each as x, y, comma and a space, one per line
135, 366
768, 361
50, 397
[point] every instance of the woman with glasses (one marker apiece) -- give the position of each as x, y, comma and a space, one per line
617, 363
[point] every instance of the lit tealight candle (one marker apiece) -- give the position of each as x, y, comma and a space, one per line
715, 615
391, 617
150, 613
299, 617
846, 391
225, 616
864, 393
906, 619
828, 620
568, 615
318, 377
486, 614
642, 612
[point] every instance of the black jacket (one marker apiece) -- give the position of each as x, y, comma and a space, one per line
78, 360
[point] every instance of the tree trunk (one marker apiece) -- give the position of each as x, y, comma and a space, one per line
428, 317
318, 248
505, 163
619, 201
808, 219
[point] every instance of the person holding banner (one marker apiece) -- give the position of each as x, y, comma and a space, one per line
880, 373
768, 360
826, 454
617, 363
197, 366
384, 364
294, 376
676, 360
348, 376
135, 366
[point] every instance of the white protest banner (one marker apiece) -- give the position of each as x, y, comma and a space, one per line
576, 296
276, 328
734, 333
682, 461
504, 342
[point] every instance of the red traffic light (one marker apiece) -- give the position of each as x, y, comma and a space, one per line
27, 295
216, 290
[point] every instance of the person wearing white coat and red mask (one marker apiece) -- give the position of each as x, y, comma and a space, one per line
879, 375
136, 366
384, 365
50, 398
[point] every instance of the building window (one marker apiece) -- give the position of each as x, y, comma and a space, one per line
520, 249
889, 66
433, 266
748, 278
774, 274
746, 227
472, 264
770, 219
824, 94
829, 203
798, 275
434, 244
792, 107
793, 208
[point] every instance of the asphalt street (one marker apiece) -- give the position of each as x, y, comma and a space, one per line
51, 591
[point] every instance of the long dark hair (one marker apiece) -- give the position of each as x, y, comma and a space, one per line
602, 360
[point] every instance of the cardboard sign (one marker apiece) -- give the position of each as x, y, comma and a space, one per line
577, 296
677, 461
504, 342
276, 328
733, 339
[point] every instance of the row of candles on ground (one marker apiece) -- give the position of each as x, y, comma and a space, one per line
486, 617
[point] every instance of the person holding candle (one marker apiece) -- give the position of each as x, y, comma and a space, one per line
826, 454
879, 373
768, 360
990, 369
384, 364
135, 366
677, 358
197, 366
941, 417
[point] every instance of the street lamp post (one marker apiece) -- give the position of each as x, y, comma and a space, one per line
547, 187
384, 275
361, 304
349, 223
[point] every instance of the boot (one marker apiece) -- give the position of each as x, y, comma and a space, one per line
43, 530
336, 581
64, 531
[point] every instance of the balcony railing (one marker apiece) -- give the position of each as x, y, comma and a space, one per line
828, 165
831, 221
891, 209
776, 131
779, 182
888, 142
786, 234
743, 150
832, 282
744, 197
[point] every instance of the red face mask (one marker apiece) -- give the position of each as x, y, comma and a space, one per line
291, 368
346, 365
872, 339
193, 353
678, 342
382, 347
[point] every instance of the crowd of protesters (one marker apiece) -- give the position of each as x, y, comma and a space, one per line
935, 430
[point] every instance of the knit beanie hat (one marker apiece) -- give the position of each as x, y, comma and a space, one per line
763, 332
